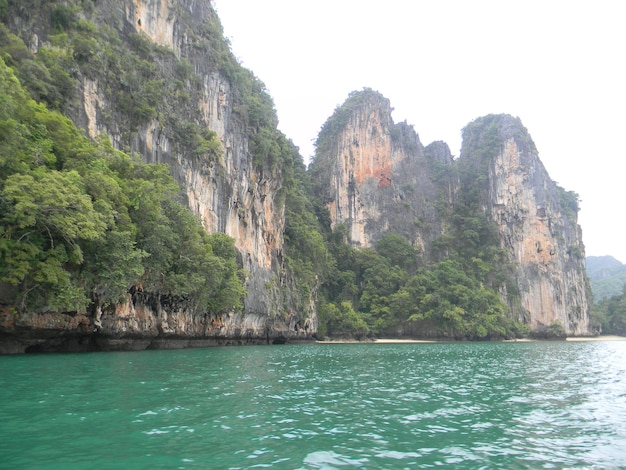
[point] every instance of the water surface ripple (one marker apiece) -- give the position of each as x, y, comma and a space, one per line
468, 405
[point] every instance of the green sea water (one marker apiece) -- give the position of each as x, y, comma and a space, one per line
462, 405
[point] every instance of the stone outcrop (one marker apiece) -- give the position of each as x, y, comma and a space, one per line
537, 224
231, 195
142, 323
229, 192
375, 176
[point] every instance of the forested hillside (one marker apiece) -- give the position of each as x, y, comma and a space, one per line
83, 224
608, 283
607, 276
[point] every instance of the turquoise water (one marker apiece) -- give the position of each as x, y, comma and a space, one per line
476, 405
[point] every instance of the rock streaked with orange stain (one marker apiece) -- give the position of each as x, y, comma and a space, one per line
545, 246
155, 19
376, 184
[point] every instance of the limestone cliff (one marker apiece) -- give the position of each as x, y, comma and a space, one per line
536, 221
231, 195
373, 174
158, 78
375, 177
177, 93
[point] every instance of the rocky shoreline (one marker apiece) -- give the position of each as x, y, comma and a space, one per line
50, 341
97, 343
136, 326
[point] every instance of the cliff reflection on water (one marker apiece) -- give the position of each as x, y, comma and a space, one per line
515, 405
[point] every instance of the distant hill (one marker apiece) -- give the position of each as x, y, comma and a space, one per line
607, 276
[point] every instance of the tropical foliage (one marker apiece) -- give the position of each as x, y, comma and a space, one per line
82, 223
609, 315
390, 294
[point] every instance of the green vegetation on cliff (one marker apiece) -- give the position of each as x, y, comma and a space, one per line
164, 251
393, 289
82, 224
384, 292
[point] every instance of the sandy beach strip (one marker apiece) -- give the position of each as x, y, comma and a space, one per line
597, 338
418, 341
377, 341
402, 341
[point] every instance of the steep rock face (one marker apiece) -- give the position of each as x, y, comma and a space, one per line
537, 224
373, 175
230, 191
230, 195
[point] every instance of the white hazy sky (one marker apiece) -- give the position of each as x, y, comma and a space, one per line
558, 65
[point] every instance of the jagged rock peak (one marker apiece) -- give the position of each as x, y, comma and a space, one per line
494, 129
358, 103
439, 151
370, 171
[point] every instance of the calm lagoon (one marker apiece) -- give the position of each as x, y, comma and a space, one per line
462, 405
